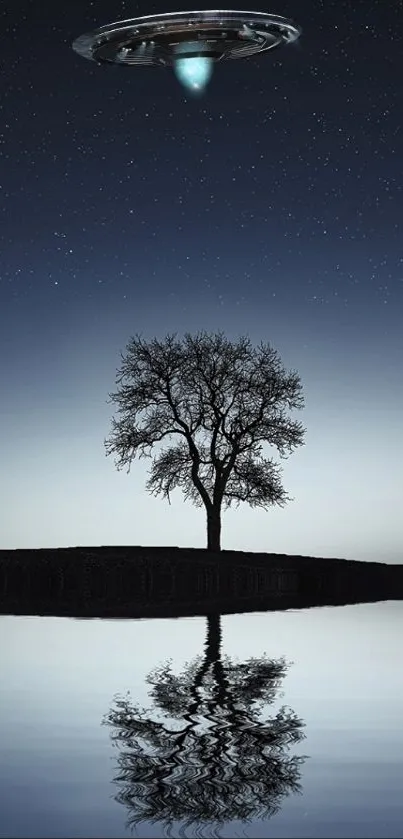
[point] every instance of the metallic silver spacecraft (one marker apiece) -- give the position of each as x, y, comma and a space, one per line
189, 42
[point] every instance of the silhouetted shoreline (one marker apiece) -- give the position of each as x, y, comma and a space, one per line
144, 581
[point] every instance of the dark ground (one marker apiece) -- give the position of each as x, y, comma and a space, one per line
139, 581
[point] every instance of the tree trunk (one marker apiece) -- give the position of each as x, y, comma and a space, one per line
214, 528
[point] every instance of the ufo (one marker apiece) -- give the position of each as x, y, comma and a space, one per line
188, 42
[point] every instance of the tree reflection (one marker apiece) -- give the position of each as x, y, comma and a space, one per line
206, 752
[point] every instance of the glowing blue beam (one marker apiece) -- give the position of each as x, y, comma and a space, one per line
194, 73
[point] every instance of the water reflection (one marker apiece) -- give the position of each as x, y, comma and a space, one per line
206, 752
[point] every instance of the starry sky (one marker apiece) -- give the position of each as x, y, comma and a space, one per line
271, 206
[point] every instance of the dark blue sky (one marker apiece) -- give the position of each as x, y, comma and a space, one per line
272, 206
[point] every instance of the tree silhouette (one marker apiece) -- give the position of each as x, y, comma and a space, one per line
222, 402
205, 753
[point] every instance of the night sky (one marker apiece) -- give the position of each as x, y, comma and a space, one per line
271, 206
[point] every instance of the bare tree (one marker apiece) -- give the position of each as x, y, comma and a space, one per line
221, 401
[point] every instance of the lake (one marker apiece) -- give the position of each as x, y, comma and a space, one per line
276, 724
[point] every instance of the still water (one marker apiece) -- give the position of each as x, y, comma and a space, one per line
278, 724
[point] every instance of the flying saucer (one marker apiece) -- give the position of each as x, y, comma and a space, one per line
189, 42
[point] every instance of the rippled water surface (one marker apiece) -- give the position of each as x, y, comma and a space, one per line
283, 724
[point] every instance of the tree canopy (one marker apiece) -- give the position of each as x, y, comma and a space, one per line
211, 404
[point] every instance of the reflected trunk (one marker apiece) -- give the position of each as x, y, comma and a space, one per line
214, 637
